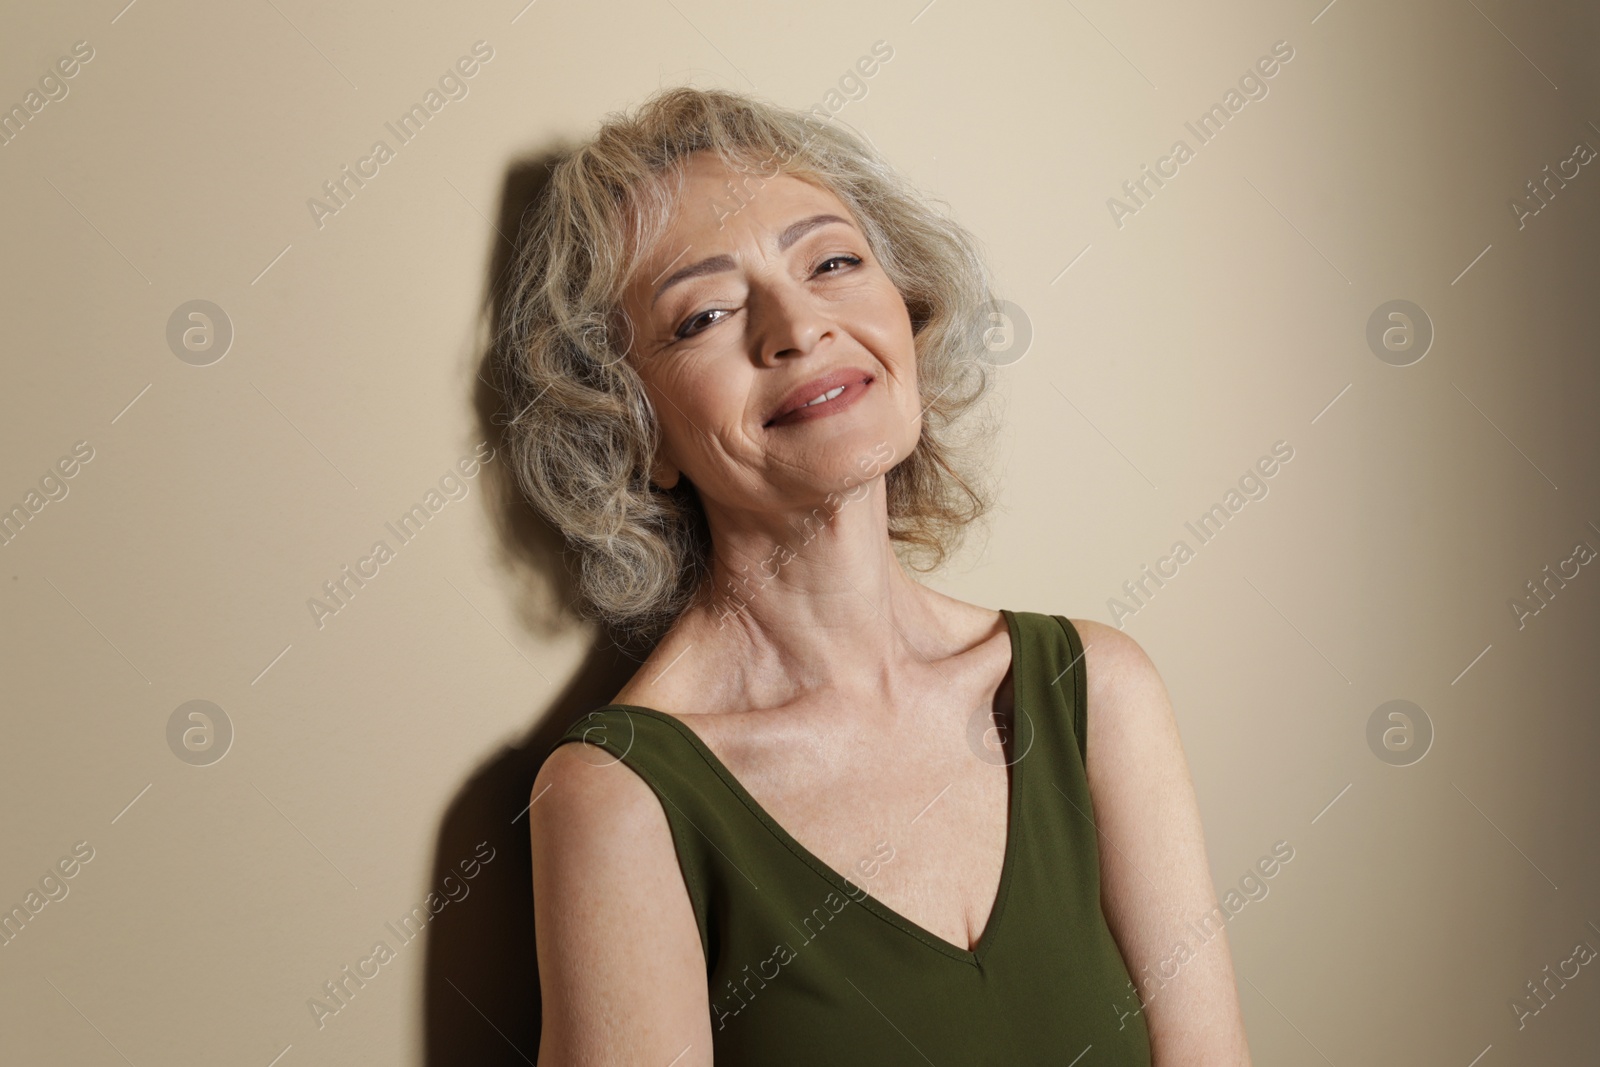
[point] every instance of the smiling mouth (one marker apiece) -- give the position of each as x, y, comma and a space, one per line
826, 402
824, 398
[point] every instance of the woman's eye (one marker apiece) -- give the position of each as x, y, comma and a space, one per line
686, 331
848, 259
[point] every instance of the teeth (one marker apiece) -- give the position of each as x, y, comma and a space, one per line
829, 395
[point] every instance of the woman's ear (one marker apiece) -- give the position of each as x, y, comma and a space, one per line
664, 475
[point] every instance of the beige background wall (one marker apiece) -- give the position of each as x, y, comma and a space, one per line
371, 755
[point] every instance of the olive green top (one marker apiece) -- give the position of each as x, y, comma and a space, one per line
804, 967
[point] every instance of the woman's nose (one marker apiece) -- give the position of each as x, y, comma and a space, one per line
786, 321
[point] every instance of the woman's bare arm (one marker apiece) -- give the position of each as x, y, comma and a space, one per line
1150, 832
621, 969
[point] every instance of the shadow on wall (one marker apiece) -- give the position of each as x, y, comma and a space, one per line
481, 987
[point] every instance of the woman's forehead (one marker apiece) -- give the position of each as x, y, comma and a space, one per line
717, 203
714, 195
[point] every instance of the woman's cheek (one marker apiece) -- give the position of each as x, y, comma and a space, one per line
709, 403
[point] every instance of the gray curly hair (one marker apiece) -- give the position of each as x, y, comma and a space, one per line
581, 434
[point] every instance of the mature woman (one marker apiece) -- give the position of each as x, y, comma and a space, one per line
836, 816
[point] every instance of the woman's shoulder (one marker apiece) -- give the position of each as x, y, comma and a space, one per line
1128, 711
1121, 683
611, 905
1112, 658
587, 811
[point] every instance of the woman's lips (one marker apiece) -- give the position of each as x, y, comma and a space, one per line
849, 391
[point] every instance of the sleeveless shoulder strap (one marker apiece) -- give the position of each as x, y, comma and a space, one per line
1077, 677
1061, 835
1051, 654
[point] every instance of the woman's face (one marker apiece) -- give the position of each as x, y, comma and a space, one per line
747, 309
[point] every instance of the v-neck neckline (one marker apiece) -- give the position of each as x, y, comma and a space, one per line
986, 939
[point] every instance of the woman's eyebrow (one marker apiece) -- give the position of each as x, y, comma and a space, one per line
797, 230
712, 264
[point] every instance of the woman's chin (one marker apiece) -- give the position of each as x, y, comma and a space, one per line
836, 448
846, 470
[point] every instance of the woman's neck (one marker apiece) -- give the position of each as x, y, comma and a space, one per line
797, 603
